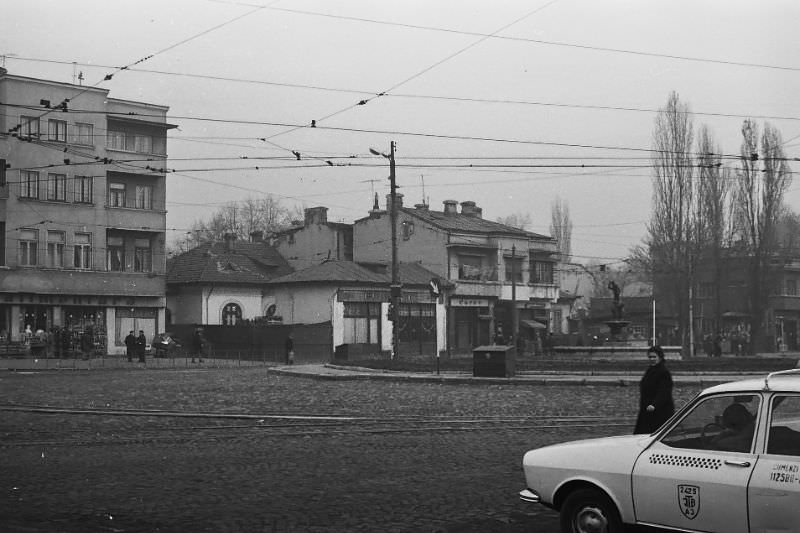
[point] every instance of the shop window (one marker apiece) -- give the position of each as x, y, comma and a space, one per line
361, 322
231, 314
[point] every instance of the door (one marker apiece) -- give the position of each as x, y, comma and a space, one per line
695, 476
774, 490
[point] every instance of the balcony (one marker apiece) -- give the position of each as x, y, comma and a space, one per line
136, 219
82, 282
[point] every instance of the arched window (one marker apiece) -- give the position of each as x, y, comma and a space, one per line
231, 315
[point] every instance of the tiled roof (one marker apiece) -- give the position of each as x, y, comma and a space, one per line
470, 224
247, 263
352, 272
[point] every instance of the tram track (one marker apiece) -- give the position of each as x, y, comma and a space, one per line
156, 425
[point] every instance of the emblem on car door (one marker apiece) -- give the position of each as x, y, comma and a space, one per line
689, 500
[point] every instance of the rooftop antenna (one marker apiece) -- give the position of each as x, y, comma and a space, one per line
74, 73
422, 179
371, 185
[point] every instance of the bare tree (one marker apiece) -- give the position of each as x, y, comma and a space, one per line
264, 214
516, 220
670, 230
760, 185
561, 228
711, 220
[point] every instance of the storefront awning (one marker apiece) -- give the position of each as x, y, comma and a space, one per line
533, 324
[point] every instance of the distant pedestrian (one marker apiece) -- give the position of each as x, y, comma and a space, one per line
130, 345
655, 394
498, 336
141, 345
289, 349
197, 345
717, 345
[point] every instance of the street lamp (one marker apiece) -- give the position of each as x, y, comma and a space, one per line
395, 287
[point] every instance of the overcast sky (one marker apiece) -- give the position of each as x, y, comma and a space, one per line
520, 90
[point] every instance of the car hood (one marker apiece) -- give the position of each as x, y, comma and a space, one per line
609, 454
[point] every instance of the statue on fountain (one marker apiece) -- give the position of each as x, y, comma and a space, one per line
616, 306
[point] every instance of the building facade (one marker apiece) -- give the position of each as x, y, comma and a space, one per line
223, 283
315, 240
83, 216
490, 269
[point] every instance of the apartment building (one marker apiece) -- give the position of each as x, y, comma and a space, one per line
82, 212
489, 269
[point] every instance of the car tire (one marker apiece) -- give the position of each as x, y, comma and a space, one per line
589, 511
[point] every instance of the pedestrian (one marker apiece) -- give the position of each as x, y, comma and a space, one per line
655, 394
130, 345
289, 349
718, 345
141, 345
498, 336
197, 345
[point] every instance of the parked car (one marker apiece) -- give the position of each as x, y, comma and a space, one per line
165, 345
727, 462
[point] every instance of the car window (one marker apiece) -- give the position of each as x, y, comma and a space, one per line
719, 423
784, 428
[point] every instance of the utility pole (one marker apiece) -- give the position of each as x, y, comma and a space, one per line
514, 319
395, 287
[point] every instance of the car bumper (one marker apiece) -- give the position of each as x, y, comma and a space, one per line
529, 496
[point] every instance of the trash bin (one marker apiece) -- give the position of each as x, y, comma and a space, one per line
495, 361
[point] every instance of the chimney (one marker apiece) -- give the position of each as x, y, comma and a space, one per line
230, 238
421, 207
398, 198
316, 215
450, 207
257, 236
468, 208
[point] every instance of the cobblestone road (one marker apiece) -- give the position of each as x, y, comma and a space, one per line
391, 456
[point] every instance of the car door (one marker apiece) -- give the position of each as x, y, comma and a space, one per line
694, 477
774, 490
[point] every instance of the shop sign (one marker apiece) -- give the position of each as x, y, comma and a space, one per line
466, 301
356, 295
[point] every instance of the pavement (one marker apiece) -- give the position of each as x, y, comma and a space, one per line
332, 372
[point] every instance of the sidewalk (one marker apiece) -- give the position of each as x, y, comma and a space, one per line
334, 372
346, 373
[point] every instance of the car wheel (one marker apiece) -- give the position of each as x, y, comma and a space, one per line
589, 511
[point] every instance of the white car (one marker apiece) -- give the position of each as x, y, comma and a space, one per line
727, 462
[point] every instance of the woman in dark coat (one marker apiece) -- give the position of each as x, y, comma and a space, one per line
655, 390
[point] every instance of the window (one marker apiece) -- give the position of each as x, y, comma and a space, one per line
55, 249
29, 127
361, 322
231, 314
784, 428
719, 423
57, 187
28, 184
408, 229
83, 189
83, 251
3, 168
57, 130
116, 254
84, 134
144, 197
542, 272
470, 267
791, 287
130, 142
513, 269
143, 257
28, 245
143, 144
116, 195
